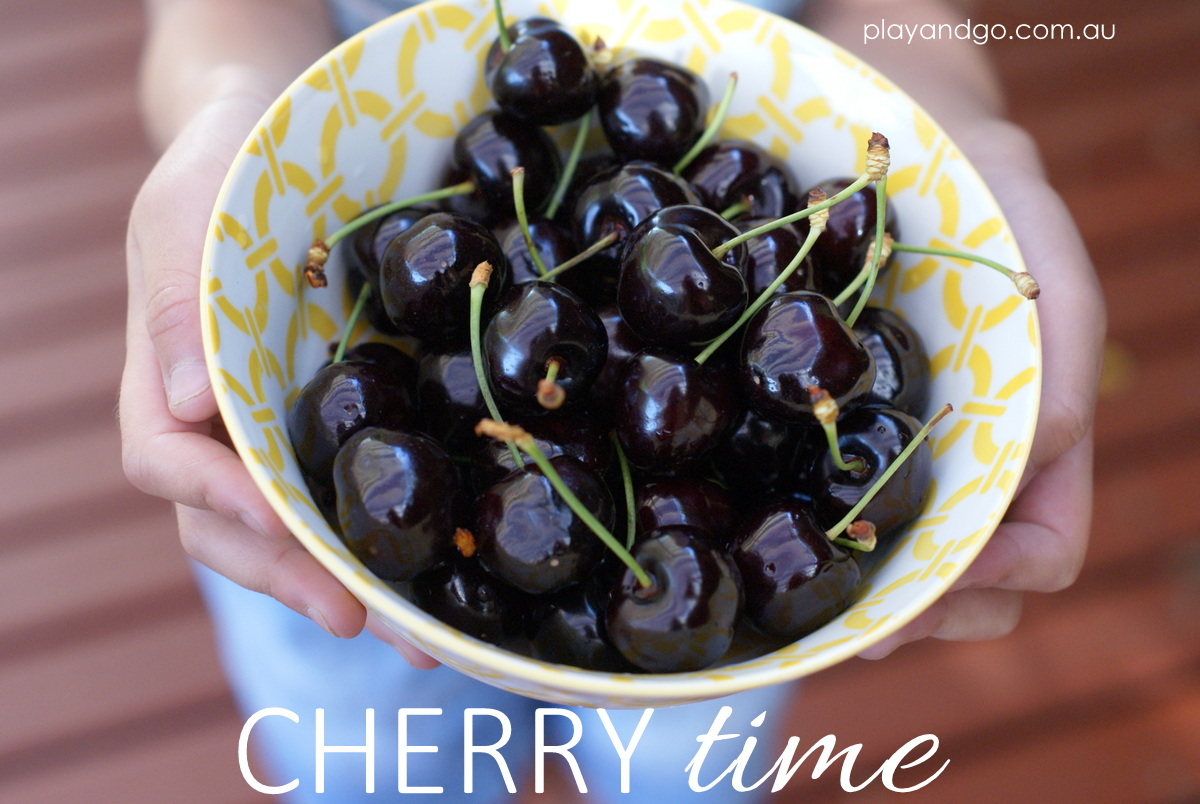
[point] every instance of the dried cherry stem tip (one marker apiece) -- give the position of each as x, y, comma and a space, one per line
853, 514
517, 436
826, 411
879, 157
551, 395
481, 275
314, 266
859, 535
464, 540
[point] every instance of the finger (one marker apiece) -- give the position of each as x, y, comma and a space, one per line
1040, 547
179, 461
277, 566
970, 614
165, 240
411, 654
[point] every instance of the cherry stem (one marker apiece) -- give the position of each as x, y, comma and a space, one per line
813, 233
876, 251
359, 304
825, 410
590, 251
479, 285
550, 395
505, 42
710, 131
860, 535
865, 271
516, 435
568, 172
859, 183
853, 513
518, 185
1027, 286
387, 209
627, 482
735, 209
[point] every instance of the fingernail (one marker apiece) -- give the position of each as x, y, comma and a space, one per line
186, 381
317, 617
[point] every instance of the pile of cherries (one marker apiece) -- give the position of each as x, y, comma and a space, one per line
619, 461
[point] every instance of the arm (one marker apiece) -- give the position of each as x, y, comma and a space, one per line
1041, 543
210, 69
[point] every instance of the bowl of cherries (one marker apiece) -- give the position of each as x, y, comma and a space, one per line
637, 356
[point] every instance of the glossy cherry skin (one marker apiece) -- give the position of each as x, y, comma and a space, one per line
796, 341
876, 435
538, 322
673, 291
685, 620
426, 273
651, 109
769, 254
545, 77
689, 502
451, 404
902, 371
730, 171
573, 434
529, 537
464, 597
553, 242
340, 400
617, 200
567, 627
398, 501
841, 250
758, 457
492, 144
365, 254
671, 411
795, 578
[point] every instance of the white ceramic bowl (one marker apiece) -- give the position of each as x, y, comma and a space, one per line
374, 120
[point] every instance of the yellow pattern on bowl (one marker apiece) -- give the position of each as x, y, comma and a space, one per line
375, 119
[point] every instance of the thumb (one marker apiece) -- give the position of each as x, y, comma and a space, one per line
167, 228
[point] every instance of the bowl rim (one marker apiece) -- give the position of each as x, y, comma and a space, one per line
650, 689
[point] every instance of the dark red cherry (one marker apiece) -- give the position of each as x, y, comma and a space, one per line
731, 171
653, 110
492, 144
545, 77
529, 537
617, 200
466, 598
340, 400
671, 411
796, 341
398, 502
841, 250
450, 400
623, 344
567, 627
426, 272
690, 502
673, 290
902, 372
875, 435
759, 457
536, 323
795, 578
574, 434
685, 620
394, 363
364, 256
553, 242
769, 254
